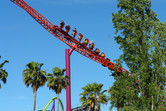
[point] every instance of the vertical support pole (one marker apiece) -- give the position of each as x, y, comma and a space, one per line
54, 104
68, 89
53, 107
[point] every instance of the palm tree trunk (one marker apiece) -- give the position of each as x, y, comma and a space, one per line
34, 106
57, 101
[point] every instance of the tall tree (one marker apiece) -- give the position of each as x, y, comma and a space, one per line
36, 77
3, 73
93, 96
142, 39
124, 93
57, 81
158, 59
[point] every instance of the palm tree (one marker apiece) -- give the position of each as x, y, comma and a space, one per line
92, 97
3, 73
34, 76
57, 81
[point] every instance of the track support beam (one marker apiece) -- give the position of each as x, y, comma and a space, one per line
68, 89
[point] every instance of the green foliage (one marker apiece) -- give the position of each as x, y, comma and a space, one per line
57, 81
3, 73
124, 92
93, 96
34, 76
142, 38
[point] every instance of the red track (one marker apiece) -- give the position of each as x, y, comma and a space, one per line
66, 38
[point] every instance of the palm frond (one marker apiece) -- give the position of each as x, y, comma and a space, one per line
103, 91
63, 71
40, 65
2, 64
56, 81
3, 75
92, 96
33, 75
56, 70
82, 99
31, 65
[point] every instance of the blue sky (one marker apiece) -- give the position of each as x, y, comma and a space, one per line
23, 40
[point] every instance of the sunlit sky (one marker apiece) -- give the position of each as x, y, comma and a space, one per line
23, 40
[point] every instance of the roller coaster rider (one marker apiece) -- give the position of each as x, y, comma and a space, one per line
67, 28
96, 51
86, 41
107, 59
103, 55
91, 45
62, 24
74, 32
80, 36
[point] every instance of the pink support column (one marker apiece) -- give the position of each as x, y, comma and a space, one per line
68, 89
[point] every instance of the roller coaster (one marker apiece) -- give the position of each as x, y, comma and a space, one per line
72, 42
53, 106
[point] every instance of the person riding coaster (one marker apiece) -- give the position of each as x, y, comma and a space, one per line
67, 28
91, 45
96, 51
74, 32
80, 36
62, 24
103, 55
86, 41
107, 59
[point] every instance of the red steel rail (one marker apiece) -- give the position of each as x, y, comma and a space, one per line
65, 37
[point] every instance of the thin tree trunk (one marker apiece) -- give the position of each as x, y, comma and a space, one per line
57, 101
118, 105
118, 108
152, 103
34, 107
